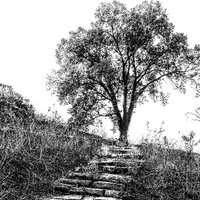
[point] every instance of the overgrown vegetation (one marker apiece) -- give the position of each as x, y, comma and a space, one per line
35, 149
105, 71
168, 172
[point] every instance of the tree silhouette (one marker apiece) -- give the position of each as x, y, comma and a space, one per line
125, 56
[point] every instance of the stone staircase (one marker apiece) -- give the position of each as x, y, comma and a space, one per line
105, 177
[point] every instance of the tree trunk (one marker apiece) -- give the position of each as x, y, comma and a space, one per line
123, 128
123, 137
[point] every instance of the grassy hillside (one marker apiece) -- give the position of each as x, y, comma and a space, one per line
35, 149
168, 172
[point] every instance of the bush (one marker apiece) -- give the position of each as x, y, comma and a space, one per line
14, 108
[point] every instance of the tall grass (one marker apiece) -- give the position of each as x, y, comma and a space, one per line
168, 172
35, 149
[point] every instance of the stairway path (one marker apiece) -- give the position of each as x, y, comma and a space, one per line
105, 178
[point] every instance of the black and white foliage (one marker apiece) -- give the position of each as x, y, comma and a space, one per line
124, 57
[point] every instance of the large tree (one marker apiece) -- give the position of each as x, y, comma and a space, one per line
122, 58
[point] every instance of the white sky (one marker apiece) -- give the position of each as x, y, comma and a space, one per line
31, 29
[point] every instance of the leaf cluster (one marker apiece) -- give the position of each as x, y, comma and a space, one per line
14, 108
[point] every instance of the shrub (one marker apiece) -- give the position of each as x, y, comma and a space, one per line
14, 108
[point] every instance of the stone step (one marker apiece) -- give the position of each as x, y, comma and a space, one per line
67, 188
79, 197
116, 170
65, 197
117, 162
70, 189
116, 151
105, 198
115, 178
95, 184
75, 181
124, 150
108, 185
115, 155
121, 151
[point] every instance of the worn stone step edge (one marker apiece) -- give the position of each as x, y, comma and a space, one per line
108, 185
116, 178
75, 181
67, 188
95, 184
117, 161
122, 147
114, 155
83, 190
114, 148
123, 151
117, 170
79, 197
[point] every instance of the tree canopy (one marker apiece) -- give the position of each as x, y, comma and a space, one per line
121, 59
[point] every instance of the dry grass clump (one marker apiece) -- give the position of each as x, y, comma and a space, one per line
31, 160
169, 173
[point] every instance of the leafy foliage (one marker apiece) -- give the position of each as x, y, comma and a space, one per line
125, 56
14, 106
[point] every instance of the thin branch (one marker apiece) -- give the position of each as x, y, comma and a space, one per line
196, 115
154, 80
104, 96
112, 96
100, 83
